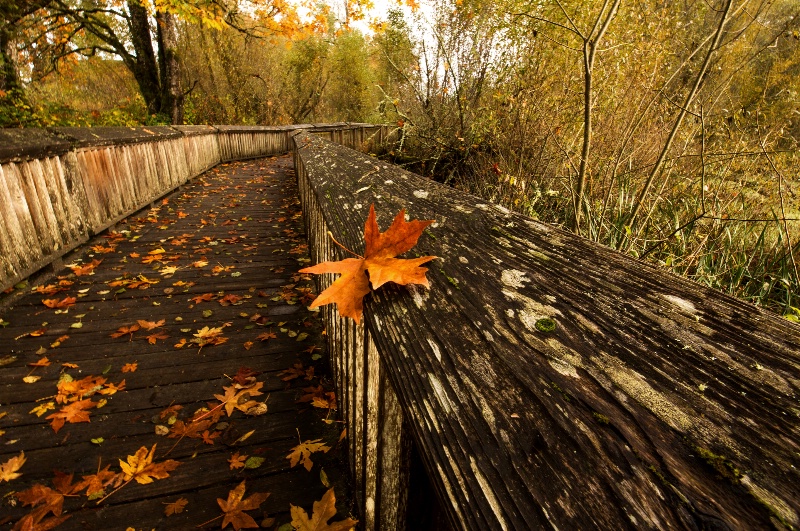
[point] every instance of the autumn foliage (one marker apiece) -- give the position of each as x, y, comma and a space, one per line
378, 266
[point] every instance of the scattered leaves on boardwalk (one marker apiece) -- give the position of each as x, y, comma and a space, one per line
175, 362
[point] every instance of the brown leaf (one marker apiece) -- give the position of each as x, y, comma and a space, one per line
140, 466
297, 371
36, 521
192, 429
9, 469
66, 302
204, 297
96, 483
267, 336
125, 330
302, 453
379, 261
175, 507
153, 338
72, 413
324, 510
234, 508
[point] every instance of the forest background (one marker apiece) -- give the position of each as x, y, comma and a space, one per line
666, 129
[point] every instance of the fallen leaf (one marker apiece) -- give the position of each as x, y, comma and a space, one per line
31, 379
254, 462
140, 466
379, 262
153, 338
204, 297
297, 371
237, 461
175, 507
302, 453
234, 508
66, 302
323, 510
95, 484
130, 367
9, 469
208, 437
72, 413
125, 330
150, 325
87, 269
267, 336
41, 409
239, 398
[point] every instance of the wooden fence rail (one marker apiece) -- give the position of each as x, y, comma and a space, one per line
546, 381
58, 187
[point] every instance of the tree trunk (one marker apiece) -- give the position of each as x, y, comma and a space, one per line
144, 66
169, 68
8, 70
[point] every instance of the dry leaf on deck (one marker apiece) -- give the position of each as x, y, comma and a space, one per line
324, 510
140, 466
302, 453
9, 469
234, 508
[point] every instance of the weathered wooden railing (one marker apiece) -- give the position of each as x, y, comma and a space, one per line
542, 380
545, 381
60, 186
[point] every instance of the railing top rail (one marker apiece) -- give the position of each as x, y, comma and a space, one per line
552, 382
31, 143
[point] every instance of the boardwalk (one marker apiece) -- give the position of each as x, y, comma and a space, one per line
203, 296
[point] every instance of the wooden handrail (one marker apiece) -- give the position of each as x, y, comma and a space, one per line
547, 381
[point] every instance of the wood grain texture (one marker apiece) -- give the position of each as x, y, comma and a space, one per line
653, 403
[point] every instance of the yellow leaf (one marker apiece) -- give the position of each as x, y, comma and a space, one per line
8, 469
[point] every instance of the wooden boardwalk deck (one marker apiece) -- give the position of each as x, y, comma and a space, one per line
236, 240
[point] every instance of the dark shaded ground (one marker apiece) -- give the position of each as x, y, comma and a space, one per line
244, 220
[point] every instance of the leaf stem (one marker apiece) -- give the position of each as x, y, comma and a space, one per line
113, 491
330, 235
209, 521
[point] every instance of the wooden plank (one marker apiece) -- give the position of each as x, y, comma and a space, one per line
654, 402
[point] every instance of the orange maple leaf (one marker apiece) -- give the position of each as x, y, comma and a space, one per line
140, 466
130, 367
324, 510
379, 260
72, 413
87, 269
149, 325
66, 302
234, 508
237, 461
